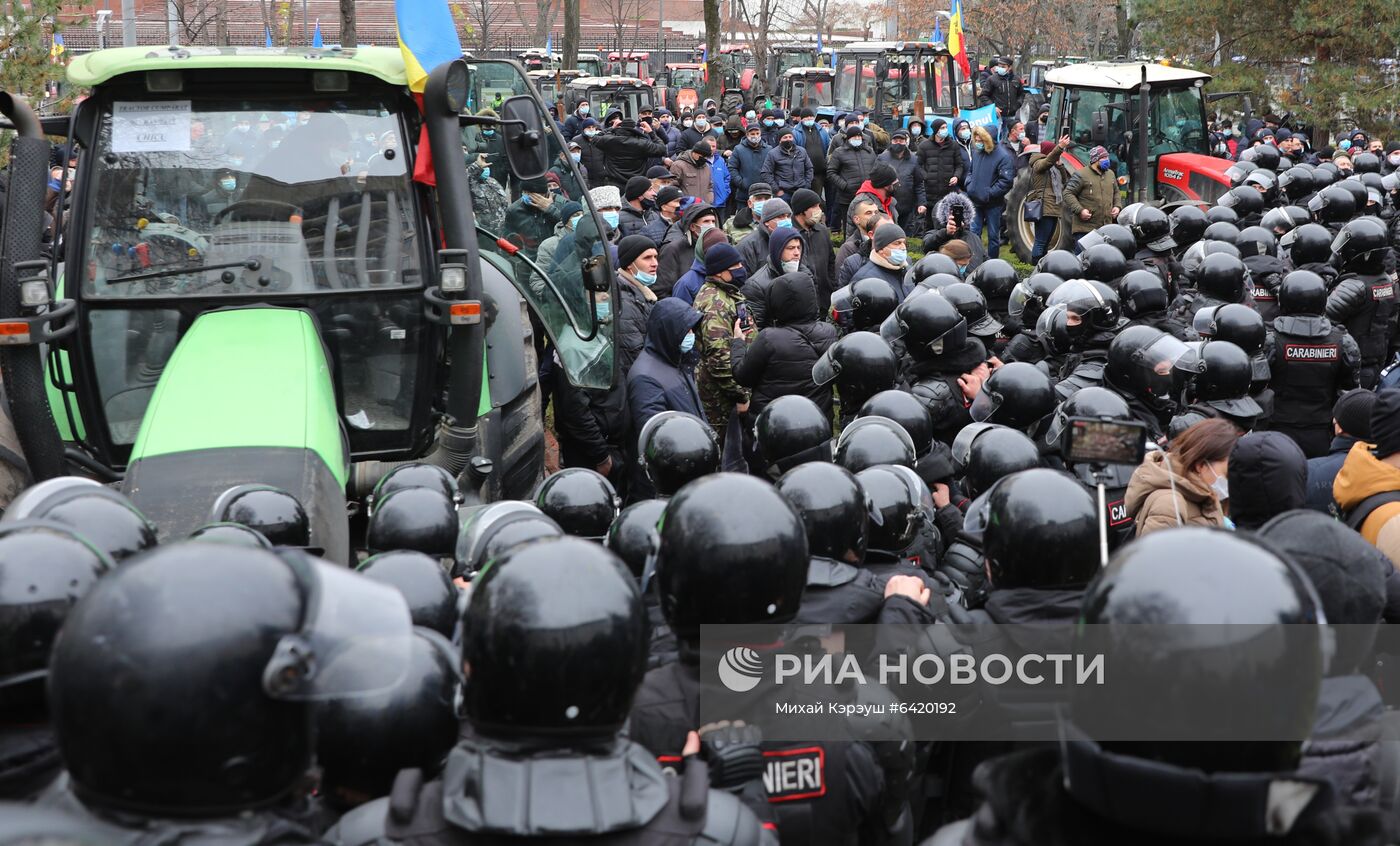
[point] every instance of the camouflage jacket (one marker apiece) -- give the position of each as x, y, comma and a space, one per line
489, 201
718, 304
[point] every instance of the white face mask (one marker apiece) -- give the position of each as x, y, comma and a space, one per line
791, 266
1220, 487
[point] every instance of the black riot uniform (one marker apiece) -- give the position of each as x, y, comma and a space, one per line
1102, 404
1080, 350
1088, 793
545, 704
1140, 370
732, 551
1313, 361
1259, 251
1363, 299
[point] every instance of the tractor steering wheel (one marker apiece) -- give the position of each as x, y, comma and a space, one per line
273, 210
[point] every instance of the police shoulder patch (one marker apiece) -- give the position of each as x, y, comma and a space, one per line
1311, 352
792, 774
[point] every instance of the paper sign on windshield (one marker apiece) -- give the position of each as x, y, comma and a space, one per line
151, 127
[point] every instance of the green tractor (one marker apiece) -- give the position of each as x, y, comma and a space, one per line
257, 283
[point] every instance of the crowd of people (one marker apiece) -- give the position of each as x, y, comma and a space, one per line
798, 434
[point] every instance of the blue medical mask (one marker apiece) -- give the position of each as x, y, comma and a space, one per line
590, 132
573, 221
1343, 145
942, 133
1105, 164
758, 209
916, 131
583, 108
899, 258
964, 134
485, 174
962, 270
228, 183
856, 142
578, 157
688, 342
999, 70
488, 133
603, 310
808, 122
611, 218
647, 279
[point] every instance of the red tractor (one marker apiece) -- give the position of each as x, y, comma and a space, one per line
1151, 117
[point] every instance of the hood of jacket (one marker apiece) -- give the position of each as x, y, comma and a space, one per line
1152, 476
1303, 325
1363, 475
792, 300
867, 188
1268, 476
959, 199
669, 321
785, 235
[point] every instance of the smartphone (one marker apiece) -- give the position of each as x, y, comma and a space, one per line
1087, 440
957, 214
744, 319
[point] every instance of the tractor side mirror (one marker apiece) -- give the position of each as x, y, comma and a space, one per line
526, 150
1098, 131
596, 276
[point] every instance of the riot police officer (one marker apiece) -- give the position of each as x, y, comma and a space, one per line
1188, 225
874, 440
862, 306
933, 464
582, 501
860, 365
1363, 299
490, 530
274, 513
792, 430
424, 585
1243, 327
1155, 243
633, 539
1017, 395
1140, 370
676, 448
943, 366
419, 519
45, 567
1314, 361
1215, 381
1310, 248
1220, 279
103, 516
1026, 304
1101, 791
1259, 251
734, 551
1079, 333
220, 702
1145, 299
552, 682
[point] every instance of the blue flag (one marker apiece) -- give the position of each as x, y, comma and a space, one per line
316, 38
937, 29
267, 32
549, 45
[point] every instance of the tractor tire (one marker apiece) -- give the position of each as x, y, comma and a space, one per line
732, 99
1021, 232
513, 434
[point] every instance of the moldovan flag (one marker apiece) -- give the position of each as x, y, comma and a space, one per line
956, 45
427, 38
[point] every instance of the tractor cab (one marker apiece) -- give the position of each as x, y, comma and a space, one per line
552, 83
606, 94
784, 57
810, 88
636, 65
262, 292
1151, 117
897, 80
542, 58
680, 85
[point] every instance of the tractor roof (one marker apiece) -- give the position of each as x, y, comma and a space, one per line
815, 71
893, 46
1119, 75
385, 63
608, 82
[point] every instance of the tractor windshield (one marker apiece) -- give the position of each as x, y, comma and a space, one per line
686, 78
230, 197
810, 92
789, 59
591, 66
1176, 122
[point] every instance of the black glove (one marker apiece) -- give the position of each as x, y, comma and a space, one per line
733, 755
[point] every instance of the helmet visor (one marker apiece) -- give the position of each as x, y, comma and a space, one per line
481, 523
354, 640
962, 444
986, 326
891, 329
1166, 242
825, 371
1157, 362
984, 405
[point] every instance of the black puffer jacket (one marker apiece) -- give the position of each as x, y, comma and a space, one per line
1268, 476
938, 163
627, 150
760, 281
1352, 743
779, 361
632, 311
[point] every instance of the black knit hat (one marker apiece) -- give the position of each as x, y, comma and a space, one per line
631, 247
882, 175
636, 187
1353, 413
1385, 422
803, 199
886, 234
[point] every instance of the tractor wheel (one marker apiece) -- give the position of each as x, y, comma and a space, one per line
514, 433
732, 99
1021, 232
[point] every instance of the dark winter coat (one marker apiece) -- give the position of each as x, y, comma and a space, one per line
753, 249
662, 379
1353, 744
780, 359
1322, 472
594, 161
592, 425
689, 285
894, 278
909, 193
755, 289
939, 162
1004, 92
630, 313
819, 257
627, 153
847, 168
787, 170
632, 221
1268, 476
744, 168
990, 176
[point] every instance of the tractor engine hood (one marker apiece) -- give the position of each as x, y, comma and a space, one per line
246, 398
1198, 177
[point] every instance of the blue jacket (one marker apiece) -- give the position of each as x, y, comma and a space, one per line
689, 284
719, 179
662, 378
799, 133
990, 177
1322, 472
744, 168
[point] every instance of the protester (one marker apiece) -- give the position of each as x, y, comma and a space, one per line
1091, 195
1351, 424
989, 180
1187, 485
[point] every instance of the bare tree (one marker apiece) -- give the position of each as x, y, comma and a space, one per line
349, 37
714, 82
196, 19
761, 17
483, 15
571, 33
546, 12
623, 15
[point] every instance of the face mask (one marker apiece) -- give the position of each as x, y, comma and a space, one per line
767, 122
610, 218
815, 216
1044, 119
583, 109
1221, 486
964, 134
962, 270
688, 342
687, 123
488, 133
647, 279
1394, 158
780, 222
228, 183
758, 208
573, 222
1105, 164
788, 144
916, 131
899, 258
578, 157
1000, 71
739, 274
942, 133
701, 126
899, 149
856, 142
809, 123
1344, 145
1227, 132
591, 133
485, 174
603, 310
791, 266
753, 142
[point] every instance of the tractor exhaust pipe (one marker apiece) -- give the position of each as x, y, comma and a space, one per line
1146, 189
21, 236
